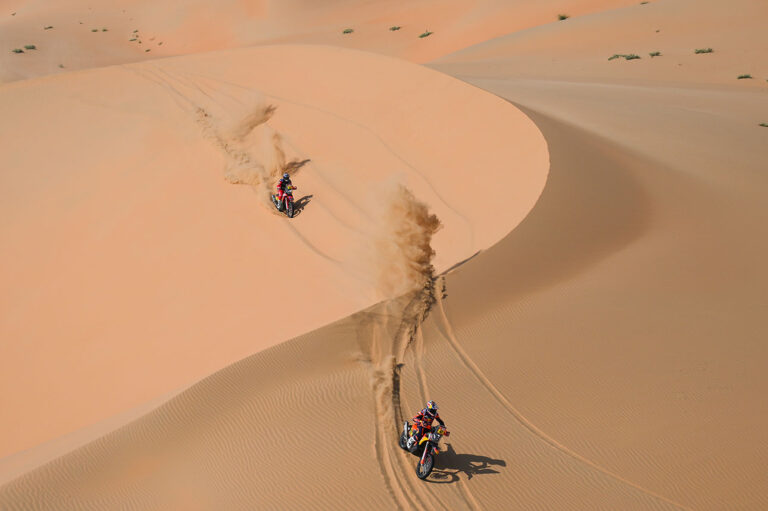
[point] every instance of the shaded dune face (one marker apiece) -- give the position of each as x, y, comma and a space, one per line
147, 239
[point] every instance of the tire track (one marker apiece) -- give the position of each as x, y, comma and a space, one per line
391, 335
384, 370
521, 419
419, 351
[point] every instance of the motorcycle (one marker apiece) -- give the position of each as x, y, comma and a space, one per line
286, 203
427, 447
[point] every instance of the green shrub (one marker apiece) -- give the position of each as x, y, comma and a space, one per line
655, 54
48, 27
348, 31
703, 50
764, 124
741, 77
134, 39
630, 56
393, 28
94, 30
33, 47
17, 50
61, 66
562, 17
426, 33
103, 29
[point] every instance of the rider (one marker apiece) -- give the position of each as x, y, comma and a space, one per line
423, 421
284, 181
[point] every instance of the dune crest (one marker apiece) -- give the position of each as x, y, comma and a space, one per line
139, 179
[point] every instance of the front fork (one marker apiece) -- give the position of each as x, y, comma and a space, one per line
427, 449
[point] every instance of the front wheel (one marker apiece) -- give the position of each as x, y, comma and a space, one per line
423, 471
289, 208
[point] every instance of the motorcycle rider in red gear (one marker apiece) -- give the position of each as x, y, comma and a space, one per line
284, 181
422, 422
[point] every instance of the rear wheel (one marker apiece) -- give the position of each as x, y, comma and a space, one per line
423, 471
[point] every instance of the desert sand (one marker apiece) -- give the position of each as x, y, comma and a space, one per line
591, 321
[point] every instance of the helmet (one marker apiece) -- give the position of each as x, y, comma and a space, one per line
286, 176
431, 408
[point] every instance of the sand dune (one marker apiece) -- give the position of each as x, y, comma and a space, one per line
578, 50
141, 30
606, 353
126, 236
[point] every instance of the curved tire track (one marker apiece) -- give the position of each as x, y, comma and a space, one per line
521, 419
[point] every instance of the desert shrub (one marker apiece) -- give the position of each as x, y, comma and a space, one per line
348, 31
393, 28
742, 77
426, 33
17, 50
625, 56
48, 27
94, 30
655, 54
30, 47
703, 50
562, 17
764, 124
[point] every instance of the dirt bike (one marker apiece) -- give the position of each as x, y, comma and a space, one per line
426, 447
286, 203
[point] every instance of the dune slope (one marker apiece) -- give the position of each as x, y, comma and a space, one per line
635, 330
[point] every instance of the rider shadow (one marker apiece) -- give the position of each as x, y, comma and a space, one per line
450, 464
299, 204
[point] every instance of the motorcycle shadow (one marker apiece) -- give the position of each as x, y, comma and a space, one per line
450, 464
300, 204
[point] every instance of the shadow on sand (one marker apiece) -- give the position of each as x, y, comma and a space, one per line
450, 464
299, 205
